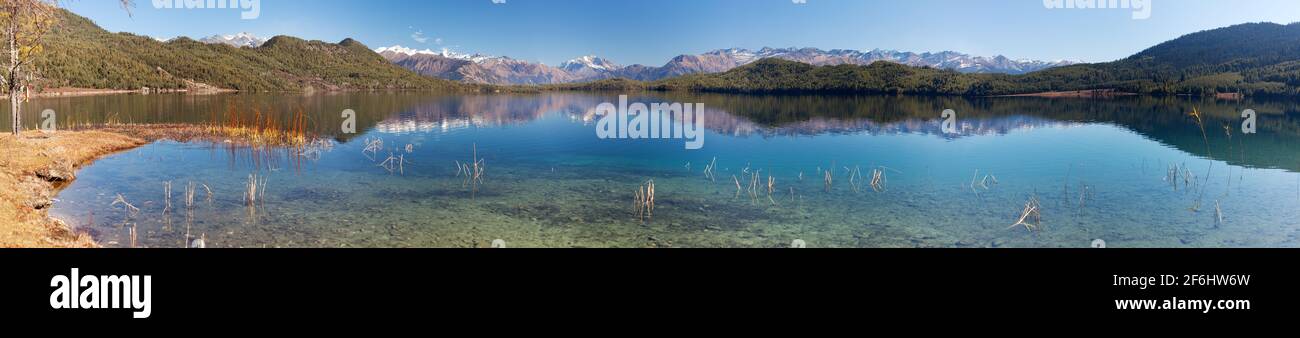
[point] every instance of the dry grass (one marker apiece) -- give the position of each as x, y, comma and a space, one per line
260, 127
34, 167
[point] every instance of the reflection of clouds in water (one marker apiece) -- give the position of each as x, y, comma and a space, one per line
414, 126
727, 123
455, 113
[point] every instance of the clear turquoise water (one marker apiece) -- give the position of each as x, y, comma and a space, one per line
550, 182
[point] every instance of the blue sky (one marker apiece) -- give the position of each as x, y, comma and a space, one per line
653, 31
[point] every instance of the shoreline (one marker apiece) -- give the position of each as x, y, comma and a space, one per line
1092, 93
47, 162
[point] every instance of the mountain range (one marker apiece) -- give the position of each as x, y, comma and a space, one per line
1245, 59
477, 68
235, 40
1256, 59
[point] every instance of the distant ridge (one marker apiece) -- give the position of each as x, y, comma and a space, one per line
482, 69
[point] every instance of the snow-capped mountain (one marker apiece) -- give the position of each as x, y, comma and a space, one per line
945, 60
237, 40
590, 62
446, 53
478, 68
474, 68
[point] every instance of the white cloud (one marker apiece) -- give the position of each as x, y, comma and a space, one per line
418, 36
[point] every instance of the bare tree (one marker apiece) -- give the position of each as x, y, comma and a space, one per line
23, 26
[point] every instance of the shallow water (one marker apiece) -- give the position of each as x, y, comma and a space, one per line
1098, 167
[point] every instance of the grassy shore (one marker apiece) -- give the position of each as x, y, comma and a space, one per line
38, 164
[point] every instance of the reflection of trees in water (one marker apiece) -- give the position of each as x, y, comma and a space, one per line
1165, 120
1161, 119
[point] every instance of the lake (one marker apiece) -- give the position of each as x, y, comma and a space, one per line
1132, 171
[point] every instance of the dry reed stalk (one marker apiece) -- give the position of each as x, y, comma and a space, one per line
394, 164
189, 195
709, 170
1218, 214
1209, 153
473, 171
373, 147
1031, 216
167, 193
976, 184
854, 175
209, 190
828, 179
737, 180
133, 235
771, 188
878, 180
255, 189
644, 201
131, 210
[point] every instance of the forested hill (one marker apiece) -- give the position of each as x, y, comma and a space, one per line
1261, 59
80, 54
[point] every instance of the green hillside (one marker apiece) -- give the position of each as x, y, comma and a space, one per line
80, 54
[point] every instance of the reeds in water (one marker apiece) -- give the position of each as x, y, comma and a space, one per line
472, 171
878, 179
771, 188
1196, 113
644, 201
709, 170
828, 180
1031, 216
209, 191
259, 127
167, 192
737, 180
130, 210
855, 178
394, 164
190, 189
373, 147
255, 190
977, 184
1218, 214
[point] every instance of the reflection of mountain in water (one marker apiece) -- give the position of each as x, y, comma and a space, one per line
1277, 145
1163, 120
459, 112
